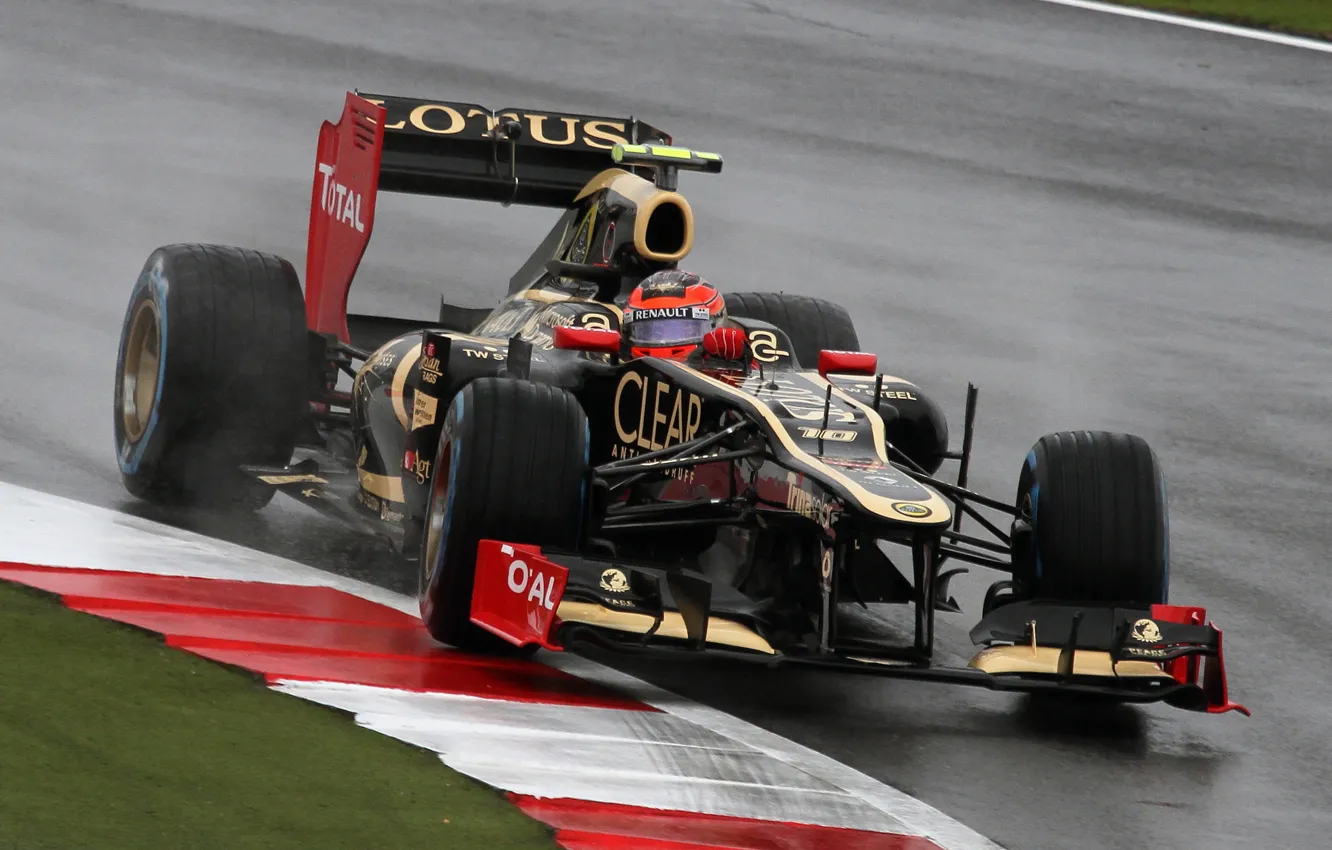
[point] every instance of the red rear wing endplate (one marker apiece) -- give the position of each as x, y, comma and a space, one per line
342, 211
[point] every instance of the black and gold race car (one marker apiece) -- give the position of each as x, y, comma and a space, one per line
557, 491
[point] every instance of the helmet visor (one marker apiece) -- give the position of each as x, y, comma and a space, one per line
664, 332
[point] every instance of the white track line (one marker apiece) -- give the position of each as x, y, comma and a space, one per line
1198, 24
918, 817
650, 759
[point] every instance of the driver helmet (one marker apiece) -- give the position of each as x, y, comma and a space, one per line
669, 313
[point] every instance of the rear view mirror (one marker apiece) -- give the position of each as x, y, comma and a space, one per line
587, 339
847, 363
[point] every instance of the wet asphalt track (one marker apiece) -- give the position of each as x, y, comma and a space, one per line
1105, 223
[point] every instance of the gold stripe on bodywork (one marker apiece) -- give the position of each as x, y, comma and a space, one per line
384, 486
940, 511
621, 182
1044, 660
399, 386
720, 631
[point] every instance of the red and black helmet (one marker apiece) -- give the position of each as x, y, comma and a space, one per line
669, 313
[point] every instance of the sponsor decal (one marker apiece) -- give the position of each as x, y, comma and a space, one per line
639, 314
800, 400
424, 408
531, 583
827, 434
598, 321
516, 592
615, 581
577, 252
679, 473
387, 514
515, 314
417, 466
342, 204
370, 501
853, 463
664, 289
807, 504
763, 345
559, 318
826, 569
653, 414
430, 367
278, 480
864, 388
912, 510
471, 121
360, 459
1145, 652
383, 359
880, 480
1146, 631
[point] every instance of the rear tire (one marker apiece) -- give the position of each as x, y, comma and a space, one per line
812, 324
210, 375
1099, 527
510, 466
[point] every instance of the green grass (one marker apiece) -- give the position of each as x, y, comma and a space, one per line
1308, 17
109, 739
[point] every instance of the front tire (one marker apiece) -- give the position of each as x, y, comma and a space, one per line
510, 466
1096, 505
210, 375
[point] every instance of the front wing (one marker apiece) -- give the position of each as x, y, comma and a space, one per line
1165, 653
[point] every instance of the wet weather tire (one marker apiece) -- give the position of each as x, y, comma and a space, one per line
812, 324
1099, 528
210, 375
510, 466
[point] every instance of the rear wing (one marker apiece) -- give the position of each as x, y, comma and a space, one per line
447, 149
514, 156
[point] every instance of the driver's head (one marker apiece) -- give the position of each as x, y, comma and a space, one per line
669, 313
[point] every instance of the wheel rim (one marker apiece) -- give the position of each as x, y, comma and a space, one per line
439, 501
143, 354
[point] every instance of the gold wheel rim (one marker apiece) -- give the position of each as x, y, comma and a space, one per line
143, 353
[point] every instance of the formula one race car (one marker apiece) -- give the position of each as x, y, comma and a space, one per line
557, 489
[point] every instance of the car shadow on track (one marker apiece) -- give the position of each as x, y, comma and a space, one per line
1075, 718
